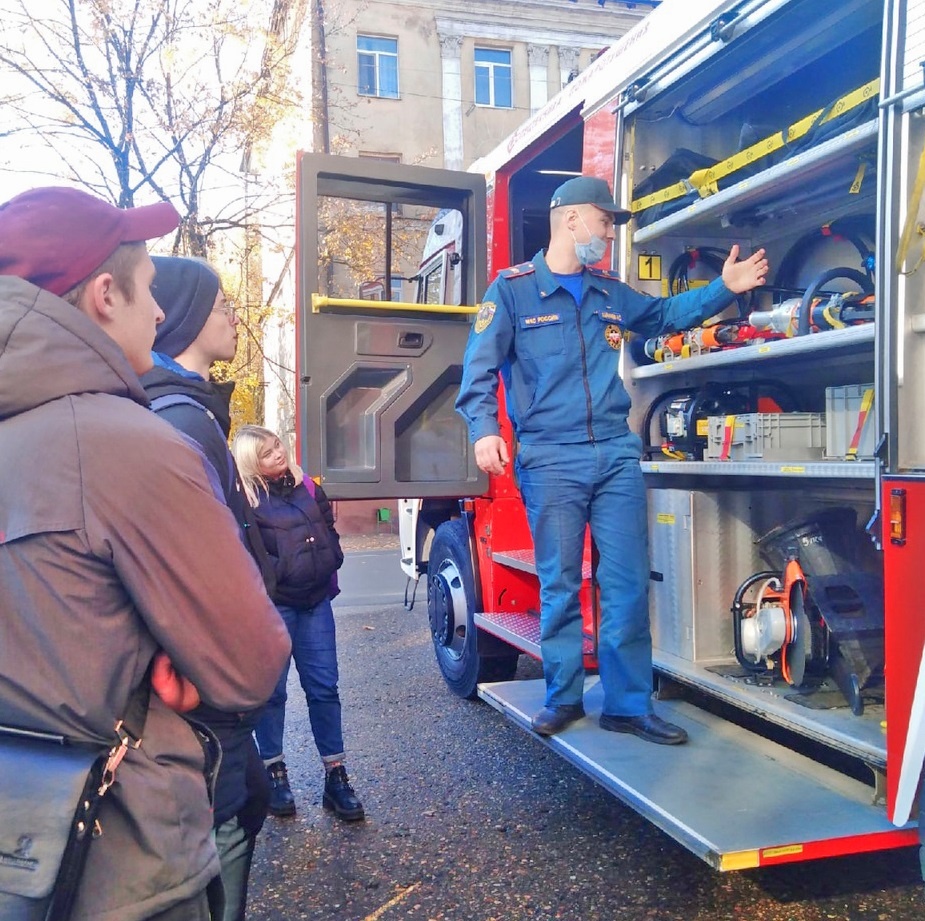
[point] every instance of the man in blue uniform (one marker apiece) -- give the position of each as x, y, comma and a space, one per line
552, 328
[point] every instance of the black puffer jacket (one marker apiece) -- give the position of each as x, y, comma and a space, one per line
298, 532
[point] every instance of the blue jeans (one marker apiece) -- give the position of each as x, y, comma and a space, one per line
565, 488
315, 652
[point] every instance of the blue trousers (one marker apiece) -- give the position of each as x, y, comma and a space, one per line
314, 649
566, 488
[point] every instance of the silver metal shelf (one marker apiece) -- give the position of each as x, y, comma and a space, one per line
839, 470
859, 736
851, 337
804, 171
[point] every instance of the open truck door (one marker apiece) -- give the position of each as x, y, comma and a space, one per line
379, 373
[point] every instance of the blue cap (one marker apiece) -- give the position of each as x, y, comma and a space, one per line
589, 190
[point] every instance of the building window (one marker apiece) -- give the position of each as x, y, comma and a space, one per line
493, 78
377, 66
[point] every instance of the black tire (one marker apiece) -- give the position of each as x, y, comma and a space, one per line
450, 607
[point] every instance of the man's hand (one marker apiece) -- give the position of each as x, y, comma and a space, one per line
491, 454
177, 692
740, 277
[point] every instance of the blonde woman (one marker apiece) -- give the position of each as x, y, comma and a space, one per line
297, 526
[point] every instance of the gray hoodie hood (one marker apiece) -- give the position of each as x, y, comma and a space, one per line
38, 330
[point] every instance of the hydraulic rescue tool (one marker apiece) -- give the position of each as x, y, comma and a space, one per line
815, 611
683, 414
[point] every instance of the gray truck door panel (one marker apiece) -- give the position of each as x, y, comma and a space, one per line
377, 382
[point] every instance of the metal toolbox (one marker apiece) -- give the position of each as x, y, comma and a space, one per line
766, 436
702, 545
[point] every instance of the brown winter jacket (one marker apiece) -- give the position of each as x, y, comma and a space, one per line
112, 545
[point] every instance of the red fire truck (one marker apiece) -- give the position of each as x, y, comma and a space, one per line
784, 455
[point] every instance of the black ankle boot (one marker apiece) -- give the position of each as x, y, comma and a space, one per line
339, 796
282, 801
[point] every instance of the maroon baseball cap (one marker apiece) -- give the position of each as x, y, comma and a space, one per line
55, 237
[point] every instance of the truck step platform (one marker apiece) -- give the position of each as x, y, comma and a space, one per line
521, 630
525, 561
730, 796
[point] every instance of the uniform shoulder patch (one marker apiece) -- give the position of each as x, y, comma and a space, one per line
484, 317
516, 271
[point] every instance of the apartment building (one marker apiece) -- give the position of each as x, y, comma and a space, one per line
441, 83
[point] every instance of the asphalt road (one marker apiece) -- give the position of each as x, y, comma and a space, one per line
470, 819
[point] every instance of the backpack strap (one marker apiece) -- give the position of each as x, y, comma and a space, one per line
167, 400
249, 527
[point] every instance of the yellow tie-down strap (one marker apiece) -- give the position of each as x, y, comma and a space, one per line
320, 302
705, 180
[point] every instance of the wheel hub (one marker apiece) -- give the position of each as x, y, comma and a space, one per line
440, 609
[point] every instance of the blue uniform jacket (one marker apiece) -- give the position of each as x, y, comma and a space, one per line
558, 360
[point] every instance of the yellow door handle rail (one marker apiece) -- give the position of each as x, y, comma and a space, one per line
321, 302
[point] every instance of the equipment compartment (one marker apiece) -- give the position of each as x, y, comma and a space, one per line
770, 142
717, 131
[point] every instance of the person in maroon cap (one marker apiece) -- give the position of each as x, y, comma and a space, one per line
121, 556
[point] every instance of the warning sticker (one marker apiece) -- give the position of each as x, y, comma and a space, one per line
781, 851
649, 267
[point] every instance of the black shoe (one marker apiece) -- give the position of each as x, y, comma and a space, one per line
339, 796
551, 720
650, 727
282, 801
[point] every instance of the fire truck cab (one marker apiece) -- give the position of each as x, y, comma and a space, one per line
784, 459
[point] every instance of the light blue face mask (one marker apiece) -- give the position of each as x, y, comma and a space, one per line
591, 252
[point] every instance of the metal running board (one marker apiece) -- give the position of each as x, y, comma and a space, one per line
525, 561
733, 798
516, 559
520, 630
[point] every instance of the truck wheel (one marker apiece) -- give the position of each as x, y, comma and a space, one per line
450, 606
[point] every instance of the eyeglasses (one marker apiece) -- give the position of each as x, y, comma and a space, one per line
229, 308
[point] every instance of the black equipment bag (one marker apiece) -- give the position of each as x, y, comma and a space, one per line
51, 793
49, 800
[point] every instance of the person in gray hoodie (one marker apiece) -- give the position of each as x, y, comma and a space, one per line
115, 549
